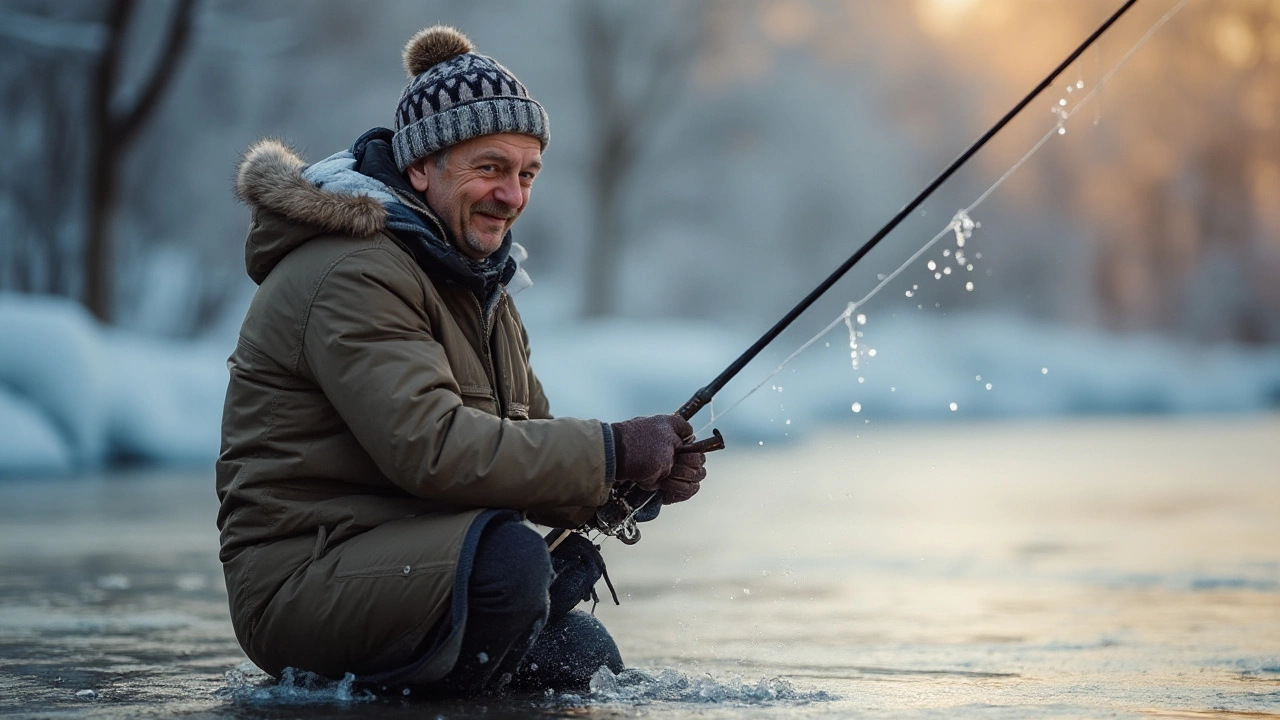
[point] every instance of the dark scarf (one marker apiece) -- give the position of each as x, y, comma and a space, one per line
421, 233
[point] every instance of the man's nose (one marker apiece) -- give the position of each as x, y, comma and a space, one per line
508, 192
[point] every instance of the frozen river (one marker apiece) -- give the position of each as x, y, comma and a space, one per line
1118, 568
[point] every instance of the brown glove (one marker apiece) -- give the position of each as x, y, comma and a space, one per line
685, 477
645, 448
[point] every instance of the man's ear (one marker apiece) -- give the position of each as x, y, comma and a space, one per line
417, 174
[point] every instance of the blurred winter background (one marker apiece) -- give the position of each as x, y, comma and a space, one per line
710, 162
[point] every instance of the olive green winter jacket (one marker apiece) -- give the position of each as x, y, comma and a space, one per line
366, 393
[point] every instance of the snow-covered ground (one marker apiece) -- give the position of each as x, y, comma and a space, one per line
75, 396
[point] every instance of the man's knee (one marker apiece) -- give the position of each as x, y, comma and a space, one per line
568, 653
511, 572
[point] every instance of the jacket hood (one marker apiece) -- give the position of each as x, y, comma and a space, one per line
288, 209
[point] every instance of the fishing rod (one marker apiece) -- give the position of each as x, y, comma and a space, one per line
617, 517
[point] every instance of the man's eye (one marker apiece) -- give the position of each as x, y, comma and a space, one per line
489, 168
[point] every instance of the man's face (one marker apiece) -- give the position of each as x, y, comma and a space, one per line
482, 188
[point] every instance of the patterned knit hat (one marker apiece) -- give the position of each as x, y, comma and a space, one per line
455, 95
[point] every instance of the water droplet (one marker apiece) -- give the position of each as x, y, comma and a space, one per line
937, 276
871, 352
788, 421
915, 287
1044, 371
933, 265
1080, 84
861, 380
827, 344
893, 388
968, 286
954, 407
978, 378
761, 442
969, 267
862, 320
988, 386
946, 253
946, 270
910, 294
857, 407
1062, 102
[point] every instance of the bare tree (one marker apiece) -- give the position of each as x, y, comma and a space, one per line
114, 128
41, 83
636, 61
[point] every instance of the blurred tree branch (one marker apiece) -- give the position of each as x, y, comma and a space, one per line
636, 61
114, 130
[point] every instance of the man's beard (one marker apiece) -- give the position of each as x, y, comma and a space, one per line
473, 241
476, 245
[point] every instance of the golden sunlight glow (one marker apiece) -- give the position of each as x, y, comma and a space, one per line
943, 17
1235, 41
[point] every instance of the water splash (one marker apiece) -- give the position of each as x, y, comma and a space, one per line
667, 685
856, 349
248, 684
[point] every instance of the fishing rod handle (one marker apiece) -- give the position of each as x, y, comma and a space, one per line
705, 445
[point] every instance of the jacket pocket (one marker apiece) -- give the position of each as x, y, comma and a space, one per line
479, 397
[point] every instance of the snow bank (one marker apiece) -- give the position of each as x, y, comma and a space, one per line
54, 383
74, 396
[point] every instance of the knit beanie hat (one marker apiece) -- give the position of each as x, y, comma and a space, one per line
455, 94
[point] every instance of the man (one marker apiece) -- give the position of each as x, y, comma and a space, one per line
384, 436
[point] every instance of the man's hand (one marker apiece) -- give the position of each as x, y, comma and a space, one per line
685, 477
645, 448
646, 456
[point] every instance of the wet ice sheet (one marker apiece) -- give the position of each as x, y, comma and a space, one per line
1125, 568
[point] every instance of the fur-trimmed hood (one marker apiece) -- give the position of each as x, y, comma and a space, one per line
294, 202
270, 177
288, 209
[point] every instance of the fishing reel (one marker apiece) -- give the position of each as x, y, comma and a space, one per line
629, 505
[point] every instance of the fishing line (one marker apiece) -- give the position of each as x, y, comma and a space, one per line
958, 222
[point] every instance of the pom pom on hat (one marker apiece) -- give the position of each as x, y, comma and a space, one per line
432, 46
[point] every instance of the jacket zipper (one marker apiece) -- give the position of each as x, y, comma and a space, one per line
486, 320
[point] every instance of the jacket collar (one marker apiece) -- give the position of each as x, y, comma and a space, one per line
418, 228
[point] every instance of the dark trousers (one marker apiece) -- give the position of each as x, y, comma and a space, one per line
521, 631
